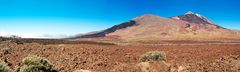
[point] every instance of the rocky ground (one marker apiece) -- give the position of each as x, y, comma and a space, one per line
68, 57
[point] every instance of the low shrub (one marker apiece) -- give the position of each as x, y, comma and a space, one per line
36, 64
4, 67
153, 56
5, 50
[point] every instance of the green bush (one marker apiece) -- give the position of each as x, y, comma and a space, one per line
153, 56
36, 64
4, 67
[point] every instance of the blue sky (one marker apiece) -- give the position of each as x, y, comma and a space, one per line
56, 18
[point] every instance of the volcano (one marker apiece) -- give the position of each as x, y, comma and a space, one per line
189, 26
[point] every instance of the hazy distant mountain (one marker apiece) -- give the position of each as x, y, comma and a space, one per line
151, 27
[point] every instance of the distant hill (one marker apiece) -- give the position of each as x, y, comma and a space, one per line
189, 26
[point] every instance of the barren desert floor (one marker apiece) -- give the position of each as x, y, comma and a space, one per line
215, 57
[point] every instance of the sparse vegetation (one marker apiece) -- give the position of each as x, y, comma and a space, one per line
5, 50
126, 58
153, 56
4, 67
36, 64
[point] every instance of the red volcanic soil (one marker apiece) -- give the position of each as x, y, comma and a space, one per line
216, 57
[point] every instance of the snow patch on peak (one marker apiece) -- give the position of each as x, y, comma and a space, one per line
189, 12
204, 18
198, 15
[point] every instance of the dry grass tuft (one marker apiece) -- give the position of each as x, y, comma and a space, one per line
36, 64
4, 67
153, 56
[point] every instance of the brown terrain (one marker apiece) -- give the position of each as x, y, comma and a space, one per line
182, 56
191, 42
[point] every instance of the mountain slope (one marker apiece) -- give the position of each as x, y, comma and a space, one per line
189, 26
109, 30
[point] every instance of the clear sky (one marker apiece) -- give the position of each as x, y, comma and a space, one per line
57, 18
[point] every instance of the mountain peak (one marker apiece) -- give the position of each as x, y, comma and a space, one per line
194, 18
189, 12
146, 16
